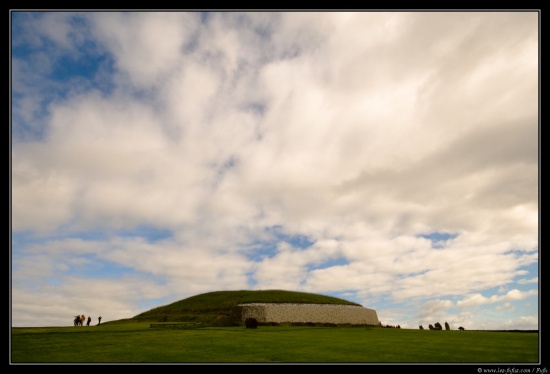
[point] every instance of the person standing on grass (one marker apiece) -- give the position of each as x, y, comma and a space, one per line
99, 318
89, 320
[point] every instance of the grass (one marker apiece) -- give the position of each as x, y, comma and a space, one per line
138, 343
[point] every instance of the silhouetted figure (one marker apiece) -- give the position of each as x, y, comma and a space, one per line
99, 318
89, 320
79, 320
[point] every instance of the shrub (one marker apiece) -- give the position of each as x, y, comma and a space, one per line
251, 323
268, 323
222, 321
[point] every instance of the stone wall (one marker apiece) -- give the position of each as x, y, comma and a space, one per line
317, 313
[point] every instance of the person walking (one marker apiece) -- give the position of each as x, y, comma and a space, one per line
99, 318
89, 320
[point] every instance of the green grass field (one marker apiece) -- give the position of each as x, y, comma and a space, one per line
137, 342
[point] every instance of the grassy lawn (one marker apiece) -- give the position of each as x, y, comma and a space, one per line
138, 343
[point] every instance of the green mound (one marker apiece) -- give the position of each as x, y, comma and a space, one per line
205, 307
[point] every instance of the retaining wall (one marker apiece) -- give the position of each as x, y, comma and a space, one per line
317, 313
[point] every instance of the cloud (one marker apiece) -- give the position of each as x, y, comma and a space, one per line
527, 281
145, 46
234, 134
478, 299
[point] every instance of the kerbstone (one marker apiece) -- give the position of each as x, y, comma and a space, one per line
317, 313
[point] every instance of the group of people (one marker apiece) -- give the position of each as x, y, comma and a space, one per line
79, 320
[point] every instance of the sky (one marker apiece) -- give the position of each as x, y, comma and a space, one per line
386, 158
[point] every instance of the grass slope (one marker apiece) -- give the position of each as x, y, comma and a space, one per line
196, 308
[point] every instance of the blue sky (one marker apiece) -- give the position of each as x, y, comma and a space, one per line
387, 158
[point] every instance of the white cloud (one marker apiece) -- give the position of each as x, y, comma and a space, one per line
145, 45
527, 281
478, 299
505, 306
358, 130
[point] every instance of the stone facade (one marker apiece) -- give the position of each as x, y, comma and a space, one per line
316, 313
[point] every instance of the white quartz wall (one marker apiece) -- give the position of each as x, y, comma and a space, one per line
317, 313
